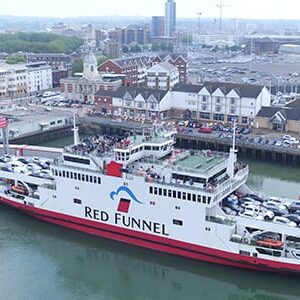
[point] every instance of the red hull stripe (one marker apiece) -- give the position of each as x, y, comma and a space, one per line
155, 242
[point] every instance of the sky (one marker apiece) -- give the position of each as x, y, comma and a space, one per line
252, 9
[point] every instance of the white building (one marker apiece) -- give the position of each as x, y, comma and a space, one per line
84, 88
13, 80
39, 77
216, 102
162, 76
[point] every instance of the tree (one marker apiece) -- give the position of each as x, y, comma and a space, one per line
15, 59
125, 49
155, 47
77, 66
38, 43
135, 48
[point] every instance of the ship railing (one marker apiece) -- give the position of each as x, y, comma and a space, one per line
49, 186
220, 220
230, 185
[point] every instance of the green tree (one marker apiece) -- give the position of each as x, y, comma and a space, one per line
15, 59
135, 48
38, 43
77, 66
155, 47
125, 49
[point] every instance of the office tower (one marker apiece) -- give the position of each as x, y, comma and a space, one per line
170, 18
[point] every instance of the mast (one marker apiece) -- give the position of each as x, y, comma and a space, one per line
75, 129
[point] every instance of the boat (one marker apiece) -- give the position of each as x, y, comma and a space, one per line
141, 191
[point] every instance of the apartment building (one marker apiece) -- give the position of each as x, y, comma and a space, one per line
162, 76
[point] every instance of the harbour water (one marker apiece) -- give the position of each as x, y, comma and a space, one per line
42, 261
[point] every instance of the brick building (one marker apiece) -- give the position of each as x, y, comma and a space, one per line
134, 69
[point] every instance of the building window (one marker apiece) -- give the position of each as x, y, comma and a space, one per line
150, 190
218, 100
232, 101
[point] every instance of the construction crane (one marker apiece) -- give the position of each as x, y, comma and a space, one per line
220, 6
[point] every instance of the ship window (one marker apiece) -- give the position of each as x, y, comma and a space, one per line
155, 148
77, 201
199, 198
208, 200
194, 197
177, 222
189, 196
63, 173
204, 199
79, 176
160, 191
170, 193
77, 160
91, 178
151, 189
59, 173
183, 196
174, 194
178, 195
155, 191
99, 180
71, 175
82, 177
67, 174
87, 177
75, 176
56, 173
244, 253
95, 179
147, 148
165, 192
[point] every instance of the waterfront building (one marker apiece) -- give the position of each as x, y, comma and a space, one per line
13, 80
216, 102
61, 64
83, 88
130, 102
286, 119
170, 18
39, 77
162, 76
209, 102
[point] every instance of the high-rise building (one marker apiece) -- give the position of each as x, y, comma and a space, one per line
157, 26
170, 18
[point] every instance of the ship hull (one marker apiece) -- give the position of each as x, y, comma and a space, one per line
153, 242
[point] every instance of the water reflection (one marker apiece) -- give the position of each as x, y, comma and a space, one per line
45, 261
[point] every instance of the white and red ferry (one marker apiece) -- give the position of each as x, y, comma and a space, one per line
142, 191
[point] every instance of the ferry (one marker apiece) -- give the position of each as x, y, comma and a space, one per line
142, 191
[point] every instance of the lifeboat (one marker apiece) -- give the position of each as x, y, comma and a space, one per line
270, 243
19, 189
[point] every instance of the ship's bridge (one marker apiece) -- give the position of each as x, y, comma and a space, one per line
138, 147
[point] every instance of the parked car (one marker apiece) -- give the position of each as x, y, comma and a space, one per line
294, 207
293, 217
205, 130
275, 209
283, 220
255, 197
